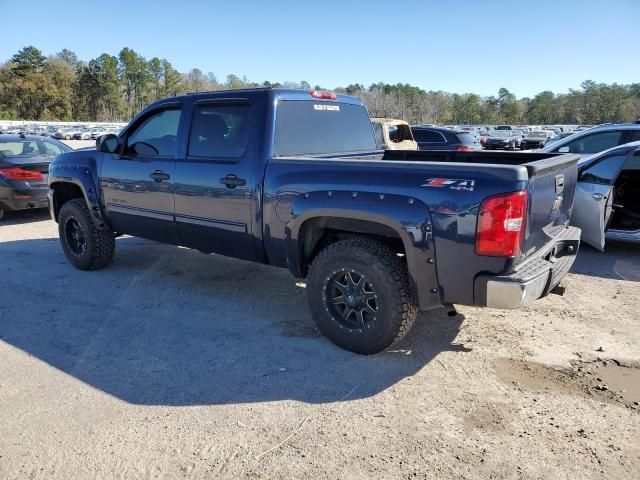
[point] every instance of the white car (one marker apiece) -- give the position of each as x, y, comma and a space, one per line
98, 132
607, 201
596, 139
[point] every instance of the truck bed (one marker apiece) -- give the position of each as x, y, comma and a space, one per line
534, 162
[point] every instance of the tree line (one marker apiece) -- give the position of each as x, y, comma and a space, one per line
114, 88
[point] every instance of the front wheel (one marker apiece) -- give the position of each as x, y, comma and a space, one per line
359, 295
85, 246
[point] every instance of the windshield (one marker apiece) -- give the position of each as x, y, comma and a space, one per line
501, 133
308, 128
538, 134
30, 148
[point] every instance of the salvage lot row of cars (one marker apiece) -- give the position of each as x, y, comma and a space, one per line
62, 132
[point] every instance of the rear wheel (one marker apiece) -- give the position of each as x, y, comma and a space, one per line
359, 295
85, 246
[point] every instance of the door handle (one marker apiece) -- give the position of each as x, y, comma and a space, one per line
159, 176
232, 181
597, 196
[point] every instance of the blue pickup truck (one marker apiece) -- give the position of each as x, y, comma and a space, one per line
293, 179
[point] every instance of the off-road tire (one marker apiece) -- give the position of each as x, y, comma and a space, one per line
396, 309
100, 243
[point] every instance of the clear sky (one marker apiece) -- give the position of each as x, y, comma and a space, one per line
457, 45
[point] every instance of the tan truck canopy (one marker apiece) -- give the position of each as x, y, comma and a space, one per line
392, 134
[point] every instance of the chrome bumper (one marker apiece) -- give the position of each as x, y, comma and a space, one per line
532, 280
504, 294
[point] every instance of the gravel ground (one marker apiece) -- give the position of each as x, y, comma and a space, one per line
172, 364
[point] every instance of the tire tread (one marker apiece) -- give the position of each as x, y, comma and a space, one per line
362, 248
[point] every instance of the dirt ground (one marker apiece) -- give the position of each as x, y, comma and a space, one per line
172, 364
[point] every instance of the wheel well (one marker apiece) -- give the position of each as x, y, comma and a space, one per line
63, 192
318, 233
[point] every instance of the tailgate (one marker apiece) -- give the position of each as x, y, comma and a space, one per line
552, 186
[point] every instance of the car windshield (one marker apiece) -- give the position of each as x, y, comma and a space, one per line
538, 134
501, 133
29, 148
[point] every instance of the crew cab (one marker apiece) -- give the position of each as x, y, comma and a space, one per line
293, 178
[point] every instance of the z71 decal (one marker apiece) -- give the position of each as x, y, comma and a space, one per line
451, 183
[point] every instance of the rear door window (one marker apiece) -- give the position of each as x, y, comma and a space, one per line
310, 127
595, 142
219, 131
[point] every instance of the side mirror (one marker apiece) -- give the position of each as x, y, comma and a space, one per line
107, 143
563, 150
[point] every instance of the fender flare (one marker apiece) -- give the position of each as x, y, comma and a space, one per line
414, 230
80, 176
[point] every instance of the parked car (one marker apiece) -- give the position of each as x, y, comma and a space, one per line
82, 134
435, 138
64, 134
535, 139
485, 133
501, 139
608, 196
24, 165
393, 134
503, 127
308, 190
520, 135
596, 139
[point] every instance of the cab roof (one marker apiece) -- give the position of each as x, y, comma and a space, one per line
281, 93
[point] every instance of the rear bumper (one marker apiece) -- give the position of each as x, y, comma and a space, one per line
22, 198
532, 280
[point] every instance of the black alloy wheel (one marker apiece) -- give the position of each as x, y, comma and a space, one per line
351, 299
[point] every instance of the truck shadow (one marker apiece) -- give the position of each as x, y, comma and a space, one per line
619, 261
170, 326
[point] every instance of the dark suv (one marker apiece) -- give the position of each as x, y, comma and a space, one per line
435, 138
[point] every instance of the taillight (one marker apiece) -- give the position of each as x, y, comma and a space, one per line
501, 223
465, 148
20, 174
323, 94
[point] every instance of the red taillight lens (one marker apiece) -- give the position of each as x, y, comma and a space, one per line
501, 223
465, 148
323, 94
20, 174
